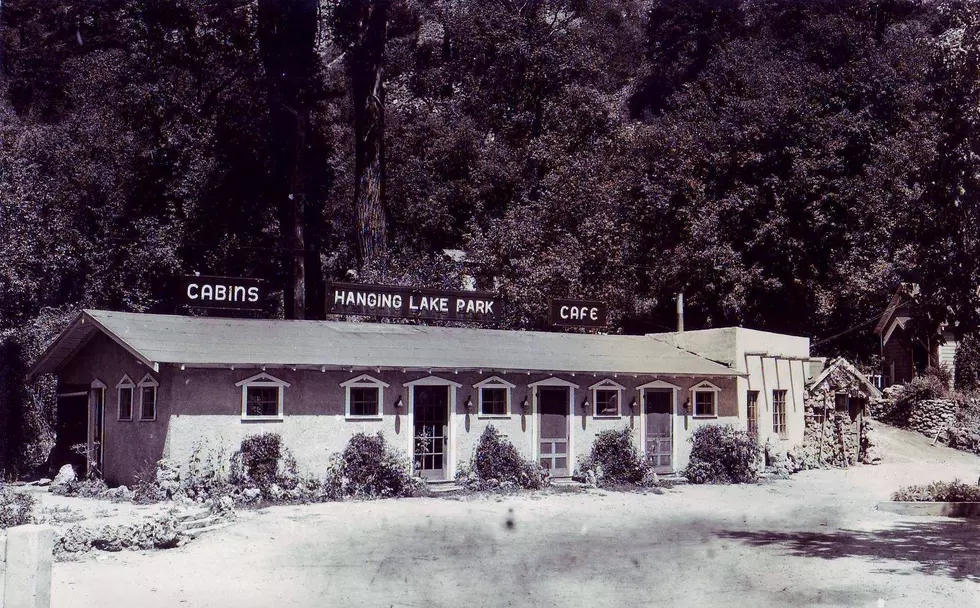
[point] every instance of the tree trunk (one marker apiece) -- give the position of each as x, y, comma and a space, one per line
366, 68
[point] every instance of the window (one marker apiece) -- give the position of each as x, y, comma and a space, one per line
753, 412
148, 398
365, 394
779, 413
262, 397
704, 395
493, 401
495, 396
125, 391
606, 398
840, 402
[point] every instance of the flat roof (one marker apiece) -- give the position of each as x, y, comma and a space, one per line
214, 341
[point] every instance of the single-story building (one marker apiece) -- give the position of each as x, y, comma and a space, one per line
906, 353
836, 406
138, 387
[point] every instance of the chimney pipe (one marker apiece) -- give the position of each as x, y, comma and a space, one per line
680, 312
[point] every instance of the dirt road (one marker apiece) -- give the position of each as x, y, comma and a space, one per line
813, 540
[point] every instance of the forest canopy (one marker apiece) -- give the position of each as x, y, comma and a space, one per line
786, 164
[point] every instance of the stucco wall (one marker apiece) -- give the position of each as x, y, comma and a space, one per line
200, 409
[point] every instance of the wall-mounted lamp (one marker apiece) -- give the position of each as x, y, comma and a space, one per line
399, 403
585, 405
525, 405
633, 404
469, 404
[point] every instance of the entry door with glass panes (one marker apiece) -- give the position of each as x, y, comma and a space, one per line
553, 438
660, 447
431, 420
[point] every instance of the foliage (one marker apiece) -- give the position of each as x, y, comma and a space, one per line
262, 462
722, 454
939, 491
84, 488
369, 468
206, 476
921, 388
16, 508
496, 464
967, 364
146, 490
615, 460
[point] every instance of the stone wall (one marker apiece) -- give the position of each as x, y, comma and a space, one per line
932, 416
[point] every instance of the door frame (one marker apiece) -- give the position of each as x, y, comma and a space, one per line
449, 460
95, 388
553, 382
674, 389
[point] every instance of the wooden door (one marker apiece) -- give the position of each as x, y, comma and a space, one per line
659, 423
431, 422
98, 428
553, 438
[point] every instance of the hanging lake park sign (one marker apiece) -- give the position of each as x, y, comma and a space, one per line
388, 301
235, 293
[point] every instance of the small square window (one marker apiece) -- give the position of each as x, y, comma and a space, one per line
261, 401
493, 401
148, 403
704, 403
365, 401
126, 403
606, 402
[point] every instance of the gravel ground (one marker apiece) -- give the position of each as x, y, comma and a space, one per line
813, 540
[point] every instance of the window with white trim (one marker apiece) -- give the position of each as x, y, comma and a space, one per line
606, 398
365, 396
704, 396
148, 398
752, 401
494, 397
262, 397
124, 392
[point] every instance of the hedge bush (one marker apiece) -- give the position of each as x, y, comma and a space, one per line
939, 491
370, 468
615, 460
968, 363
497, 463
723, 454
263, 463
16, 509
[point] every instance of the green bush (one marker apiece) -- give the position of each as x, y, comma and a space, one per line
615, 460
262, 462
939, 491
723, 454
369, 468
968, 363
84, 488
16, 509
497, 463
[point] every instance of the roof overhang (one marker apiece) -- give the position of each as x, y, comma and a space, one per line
82, 329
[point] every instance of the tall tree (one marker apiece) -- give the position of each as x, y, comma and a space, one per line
287, 33
361, 29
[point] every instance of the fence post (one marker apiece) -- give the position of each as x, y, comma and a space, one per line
27, 578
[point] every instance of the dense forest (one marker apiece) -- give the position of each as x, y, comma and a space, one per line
786, 164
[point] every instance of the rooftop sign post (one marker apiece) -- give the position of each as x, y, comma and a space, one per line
406, 302
577, 313
221, 292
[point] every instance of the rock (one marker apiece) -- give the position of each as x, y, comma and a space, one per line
120, 494
168, 477
44, 481
591, 481
65, 477
251, 494
223, 506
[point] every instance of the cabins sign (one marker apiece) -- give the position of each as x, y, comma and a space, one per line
577, 313
388, 301
221, 292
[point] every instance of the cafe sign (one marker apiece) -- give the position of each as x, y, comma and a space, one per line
577, 313
389, 301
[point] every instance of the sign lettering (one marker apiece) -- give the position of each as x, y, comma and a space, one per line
389, 301
577, 313
221, 292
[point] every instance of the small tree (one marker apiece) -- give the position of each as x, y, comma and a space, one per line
968, 363
722, 454
615, 460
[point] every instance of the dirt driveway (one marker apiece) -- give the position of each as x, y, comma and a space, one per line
813, 540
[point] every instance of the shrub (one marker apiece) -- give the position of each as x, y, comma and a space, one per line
206, 477
968, 363
145, 488
369, 468
84, 488
262, 462
723, 454
497, 463
939, 491
614, 460
16, 509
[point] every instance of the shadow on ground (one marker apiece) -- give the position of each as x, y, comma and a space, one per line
942, 548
